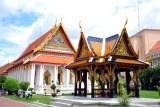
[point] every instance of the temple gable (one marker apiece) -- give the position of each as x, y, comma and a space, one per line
58, 41
83, 50
123, 49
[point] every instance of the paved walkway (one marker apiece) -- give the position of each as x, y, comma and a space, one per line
4, 102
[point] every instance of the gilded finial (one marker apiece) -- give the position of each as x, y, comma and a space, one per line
126, 23
65, 62
149, 59
80, 26
138, 53
56, 22
61, 19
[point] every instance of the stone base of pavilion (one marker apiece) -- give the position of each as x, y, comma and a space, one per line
101, 102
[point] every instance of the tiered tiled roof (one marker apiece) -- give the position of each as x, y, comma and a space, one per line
113, 49
155, 48
4, 68
37, 46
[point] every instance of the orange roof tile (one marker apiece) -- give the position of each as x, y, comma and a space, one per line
4, 68
52, 59
36, 43
156, 47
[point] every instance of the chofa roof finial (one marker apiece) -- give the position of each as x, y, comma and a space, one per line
80, 25
61, 19
126, 23
56, 22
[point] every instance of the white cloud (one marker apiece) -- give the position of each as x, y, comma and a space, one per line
99, 18
2, 53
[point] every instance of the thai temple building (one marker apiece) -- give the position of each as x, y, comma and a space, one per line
42, 62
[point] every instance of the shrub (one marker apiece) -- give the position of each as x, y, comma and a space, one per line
58, 90
24, 86
2, 79
33, 92
158, 88
45, 91
11, 85
30, 89
53, 86
54, 94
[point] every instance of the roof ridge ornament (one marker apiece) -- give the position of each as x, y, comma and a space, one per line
125, 23
55, 23
80, 25
61, 19
149, 59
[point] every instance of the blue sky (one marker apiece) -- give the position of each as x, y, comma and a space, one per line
23, 21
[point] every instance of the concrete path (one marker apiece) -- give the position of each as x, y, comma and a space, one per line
4, 102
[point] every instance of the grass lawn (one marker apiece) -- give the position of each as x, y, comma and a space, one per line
46, 99
42, 98
149, 94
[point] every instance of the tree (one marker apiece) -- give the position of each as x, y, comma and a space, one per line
24, 86
11, 85
2, 80
149, 78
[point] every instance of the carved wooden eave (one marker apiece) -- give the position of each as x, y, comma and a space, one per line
124, 47
83, 50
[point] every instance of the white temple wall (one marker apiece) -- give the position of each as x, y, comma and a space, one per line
51, 69
65, 76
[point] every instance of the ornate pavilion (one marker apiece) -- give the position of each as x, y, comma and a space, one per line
105, 58
42, 62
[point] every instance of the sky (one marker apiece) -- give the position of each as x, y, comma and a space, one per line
23, 21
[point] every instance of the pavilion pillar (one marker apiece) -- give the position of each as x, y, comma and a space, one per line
92, 86
75, 87
136, 88
85, 83
128, 81
107, 83
111, 86
79, 79
102, 86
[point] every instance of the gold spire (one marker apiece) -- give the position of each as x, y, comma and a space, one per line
55, 22
61, 19
80, 26
149, 59
126, 23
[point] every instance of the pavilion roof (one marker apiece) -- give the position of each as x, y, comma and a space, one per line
114, 49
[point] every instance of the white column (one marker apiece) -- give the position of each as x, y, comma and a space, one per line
55, 74
25, 75
32, 76
29, 74
68, 76
41, 70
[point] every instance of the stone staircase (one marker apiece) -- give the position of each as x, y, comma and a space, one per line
101, 102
